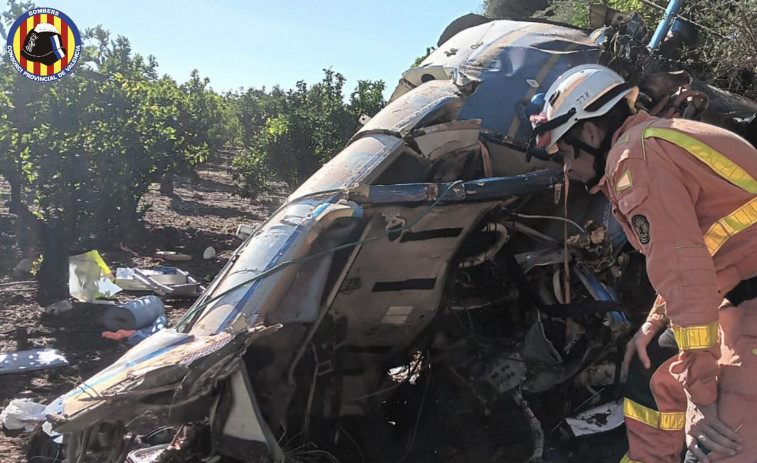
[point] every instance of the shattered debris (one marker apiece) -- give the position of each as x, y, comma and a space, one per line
22, 414
602, 418
593, 246
209, 253
173, 255
59, 307
90, 278
161, 280
244, 231
30, 360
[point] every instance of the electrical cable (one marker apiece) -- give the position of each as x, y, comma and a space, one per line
550, 217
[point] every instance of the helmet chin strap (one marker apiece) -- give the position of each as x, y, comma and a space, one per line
599, 157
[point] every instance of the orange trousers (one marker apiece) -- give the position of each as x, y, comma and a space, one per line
655, 404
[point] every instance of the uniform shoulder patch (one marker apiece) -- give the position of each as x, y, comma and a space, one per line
625, 181
641, 227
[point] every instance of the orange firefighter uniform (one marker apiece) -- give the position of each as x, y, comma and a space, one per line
686, 194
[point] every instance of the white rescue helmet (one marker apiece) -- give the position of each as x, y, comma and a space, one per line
583, 92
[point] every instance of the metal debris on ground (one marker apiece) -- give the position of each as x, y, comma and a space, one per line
30, 360
90, 278
602, 418
161, 280
172, 255
59, 307
244, 231
135, 314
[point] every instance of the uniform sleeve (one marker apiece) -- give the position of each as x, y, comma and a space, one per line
658, 211
657, 315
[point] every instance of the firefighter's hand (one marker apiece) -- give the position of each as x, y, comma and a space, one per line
663, 109
706, 433
638, 344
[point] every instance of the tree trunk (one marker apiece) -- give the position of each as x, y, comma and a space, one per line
53, 272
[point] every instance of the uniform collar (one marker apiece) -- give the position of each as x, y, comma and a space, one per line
641, 117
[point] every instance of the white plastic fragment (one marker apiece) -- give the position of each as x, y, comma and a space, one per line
244, 231
22, 414
602, 418
90, 278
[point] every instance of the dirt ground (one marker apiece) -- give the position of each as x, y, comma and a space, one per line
202, 212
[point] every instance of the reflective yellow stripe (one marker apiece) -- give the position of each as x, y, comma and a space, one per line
696, 336
714, 160
735, 222
627, 459
738, 220
666, 421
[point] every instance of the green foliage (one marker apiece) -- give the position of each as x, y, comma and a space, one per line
81, 151
512, 9
573, 12
420, 59
288, 135
727, 54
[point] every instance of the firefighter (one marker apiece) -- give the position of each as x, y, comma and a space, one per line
685, 193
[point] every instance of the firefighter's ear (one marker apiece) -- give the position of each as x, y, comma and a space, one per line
592, 134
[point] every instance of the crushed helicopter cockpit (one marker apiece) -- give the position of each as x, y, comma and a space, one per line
414, 300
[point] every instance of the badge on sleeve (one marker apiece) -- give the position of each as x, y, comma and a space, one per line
641, 226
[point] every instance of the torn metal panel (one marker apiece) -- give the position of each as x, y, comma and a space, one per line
488, 189
31, 360
238, 428
360, 162
175, 370
408, 111
513, 60
393, 279
169, 281
447, 139
288, 236
406, 250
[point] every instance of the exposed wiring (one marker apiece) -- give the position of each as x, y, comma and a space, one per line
311, 394
410, 374
556, 287
517, 226
411, 442
354, 442
551, 217
301, 260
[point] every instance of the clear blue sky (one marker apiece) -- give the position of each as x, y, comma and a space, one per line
263, 43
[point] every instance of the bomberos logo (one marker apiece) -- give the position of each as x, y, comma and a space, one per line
44, 45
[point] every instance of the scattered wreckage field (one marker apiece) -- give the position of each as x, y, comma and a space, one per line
203, 212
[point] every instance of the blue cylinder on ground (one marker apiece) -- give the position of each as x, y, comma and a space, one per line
135, 314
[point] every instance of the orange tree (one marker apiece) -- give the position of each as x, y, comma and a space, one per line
80, 152
288, 135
